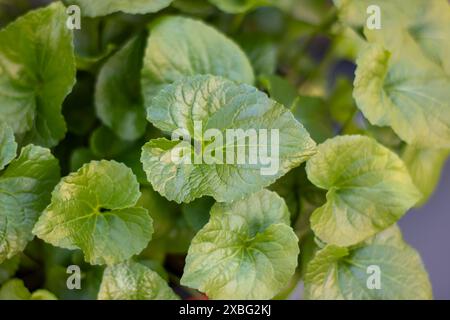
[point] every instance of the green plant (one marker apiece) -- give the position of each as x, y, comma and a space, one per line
124, 167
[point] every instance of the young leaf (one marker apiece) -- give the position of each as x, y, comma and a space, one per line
94, 210
8, 145
407, 94
133, 281
117, 94
37, 71
104, 7
219, 104
369, 189
247, 250
180, 47
425, 166
25, 188
352, 274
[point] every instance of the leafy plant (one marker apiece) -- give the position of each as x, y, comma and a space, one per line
110, 104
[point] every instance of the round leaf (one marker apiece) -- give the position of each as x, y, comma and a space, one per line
406, 93
369, 189
94, 210
247, 250
180, 47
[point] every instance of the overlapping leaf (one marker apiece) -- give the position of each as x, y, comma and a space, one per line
25, 188
178, 47
37, 71
369, 189
341, 273
94, 210
104, 7
220, 104
118, 99
247, 250
133, 281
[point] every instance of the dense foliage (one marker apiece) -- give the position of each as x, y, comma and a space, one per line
86, 119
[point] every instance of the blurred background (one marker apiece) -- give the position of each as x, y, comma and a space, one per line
428, 230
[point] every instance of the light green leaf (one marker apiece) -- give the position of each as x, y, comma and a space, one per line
25, 188
117, 95
97, 8
94, 210
8, 145
421, 28
79, 157
14, 289
196, 212
133, 281
8, 268
247, 250
407, 94
220, 104
313, 113
341, 273
37, 71
105, 144
238, 6
42, 294
425, 166
369, 189
180, 47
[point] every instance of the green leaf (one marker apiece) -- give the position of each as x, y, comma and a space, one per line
313, 113
196, 212
425, 166
104, 7
9, 268
14, 289
238, 6
42, 294
25, 188
247, 250
105, 144
279, 89
133, 281
94, 210
79, 157
405, 93
341, 273
369, 189
118, 99
262, 51
180, 47
8, 145
37, 71
219, 104
419, 28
